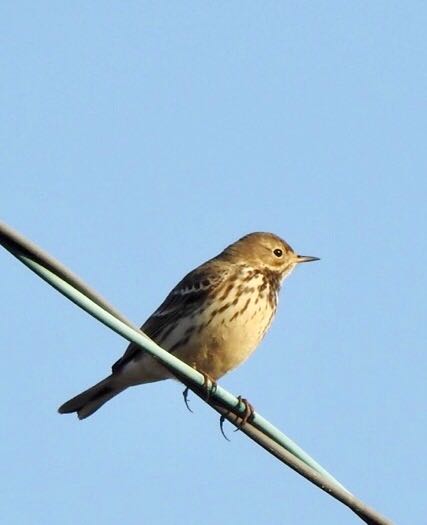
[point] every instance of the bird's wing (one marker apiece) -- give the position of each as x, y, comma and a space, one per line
187, 296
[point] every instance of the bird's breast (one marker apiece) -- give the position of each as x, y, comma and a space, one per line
230, 327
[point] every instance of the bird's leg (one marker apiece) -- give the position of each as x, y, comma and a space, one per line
247, 413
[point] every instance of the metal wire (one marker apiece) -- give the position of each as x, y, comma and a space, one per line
259, 429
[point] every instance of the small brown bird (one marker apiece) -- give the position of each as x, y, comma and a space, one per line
213, 319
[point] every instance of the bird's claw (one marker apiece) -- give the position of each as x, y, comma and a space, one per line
209, 385
221, 426
208, 388
247, 413
245, 417
185, 396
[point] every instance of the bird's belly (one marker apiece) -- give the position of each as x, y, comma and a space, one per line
228, 340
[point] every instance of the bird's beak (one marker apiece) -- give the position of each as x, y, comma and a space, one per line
306, 258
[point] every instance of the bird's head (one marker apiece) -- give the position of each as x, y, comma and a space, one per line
265, 251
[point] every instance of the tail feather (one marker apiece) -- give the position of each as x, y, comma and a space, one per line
88, 402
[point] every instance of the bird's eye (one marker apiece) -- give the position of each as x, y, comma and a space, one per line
278, 252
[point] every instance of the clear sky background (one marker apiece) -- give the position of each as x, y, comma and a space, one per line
140, 138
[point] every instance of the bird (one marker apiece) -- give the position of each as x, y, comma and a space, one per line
213, 319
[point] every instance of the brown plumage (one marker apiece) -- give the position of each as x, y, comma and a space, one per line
213, 319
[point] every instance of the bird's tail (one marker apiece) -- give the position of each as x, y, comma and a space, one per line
93, 398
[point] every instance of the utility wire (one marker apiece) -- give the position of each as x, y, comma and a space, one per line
258, 429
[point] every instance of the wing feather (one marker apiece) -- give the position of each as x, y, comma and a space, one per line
183, 300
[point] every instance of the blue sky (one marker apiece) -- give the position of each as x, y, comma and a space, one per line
138, 139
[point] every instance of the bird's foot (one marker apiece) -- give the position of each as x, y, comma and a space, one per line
208, 388
245, 417
248, 412
209, 385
